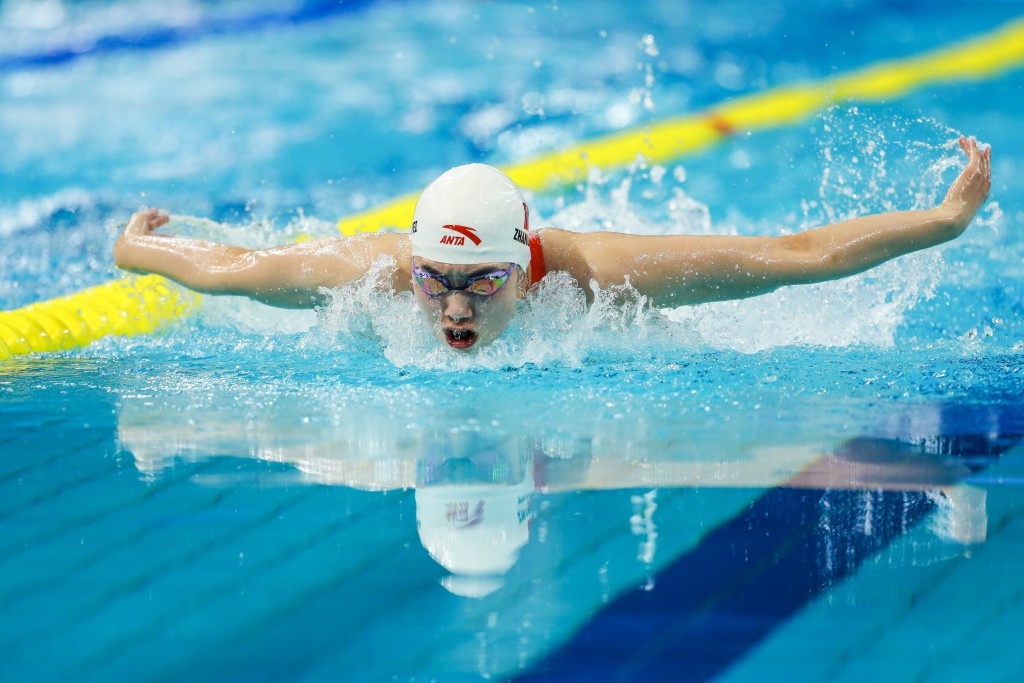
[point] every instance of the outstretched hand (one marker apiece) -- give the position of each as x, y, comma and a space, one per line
970, 190
144, 222
131, 243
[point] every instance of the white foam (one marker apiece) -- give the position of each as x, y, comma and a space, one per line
864, 310
553, 324
30, 213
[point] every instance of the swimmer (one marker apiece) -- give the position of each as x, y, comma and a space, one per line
471, 254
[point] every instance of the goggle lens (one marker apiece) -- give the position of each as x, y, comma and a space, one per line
430, 285
487, 284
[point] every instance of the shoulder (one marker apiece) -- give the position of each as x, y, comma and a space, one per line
339, 260
397, 246
563, 251
358, 250
610, 257
555, 242
555, 237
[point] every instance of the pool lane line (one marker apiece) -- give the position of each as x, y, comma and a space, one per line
748, 576
979, 58
745, 579
170, 36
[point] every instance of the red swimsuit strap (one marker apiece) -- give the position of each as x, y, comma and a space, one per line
537, 268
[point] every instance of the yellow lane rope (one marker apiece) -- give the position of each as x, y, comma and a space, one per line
980, 58
129, 306
140, 305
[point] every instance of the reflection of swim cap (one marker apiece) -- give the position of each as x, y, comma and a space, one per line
475, 532
472, 214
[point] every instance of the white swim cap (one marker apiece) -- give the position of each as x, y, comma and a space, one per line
475, 532
472, 214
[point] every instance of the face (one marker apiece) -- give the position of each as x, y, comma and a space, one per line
463, 319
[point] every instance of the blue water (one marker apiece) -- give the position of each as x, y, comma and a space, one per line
821, 484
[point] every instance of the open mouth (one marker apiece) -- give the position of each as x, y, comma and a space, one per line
460, 339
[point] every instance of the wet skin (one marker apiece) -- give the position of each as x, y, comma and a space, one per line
462, 320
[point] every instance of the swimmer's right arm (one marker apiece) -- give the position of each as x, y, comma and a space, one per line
290, 276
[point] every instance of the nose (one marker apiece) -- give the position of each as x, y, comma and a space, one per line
458, 307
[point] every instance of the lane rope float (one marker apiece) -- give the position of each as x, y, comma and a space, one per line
140, 305
128, 307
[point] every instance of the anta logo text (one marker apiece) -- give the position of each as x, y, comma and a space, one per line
462, 234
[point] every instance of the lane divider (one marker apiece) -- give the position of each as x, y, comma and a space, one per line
140, 305
128, 307
979, 58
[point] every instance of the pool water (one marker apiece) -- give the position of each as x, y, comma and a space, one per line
820, 484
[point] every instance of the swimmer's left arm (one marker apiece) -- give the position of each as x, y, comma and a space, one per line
856, 245
679, 270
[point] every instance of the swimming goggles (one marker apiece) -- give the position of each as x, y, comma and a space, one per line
488, 284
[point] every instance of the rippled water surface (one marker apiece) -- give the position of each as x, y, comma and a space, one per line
606, 493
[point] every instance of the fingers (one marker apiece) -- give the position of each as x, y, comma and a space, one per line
970, 146
159, 218
971, 188
986, 171
981, 161
979, 157
146, 221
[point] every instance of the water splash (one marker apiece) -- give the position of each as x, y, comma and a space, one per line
867, 309
643, 95
874, 162
863, 172
645, 200
553, 325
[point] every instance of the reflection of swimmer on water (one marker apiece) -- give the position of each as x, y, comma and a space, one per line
473, 514
475, 494
472, 253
